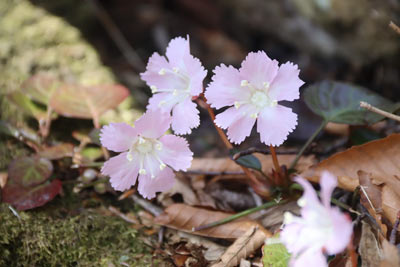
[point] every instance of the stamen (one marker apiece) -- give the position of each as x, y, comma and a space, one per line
162, 166
175, 69
162, 102
288, 217
129, 157
274, 103
153, 89
244, 83
266, 85
162, 71
301, 202
254, 115
175, 92
142, 140
159, 146
142, 171
237, 104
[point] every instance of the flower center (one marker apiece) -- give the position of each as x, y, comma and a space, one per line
259, 99
146, 150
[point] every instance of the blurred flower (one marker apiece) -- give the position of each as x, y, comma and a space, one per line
254, 91
174, 82
320, 229
145, 152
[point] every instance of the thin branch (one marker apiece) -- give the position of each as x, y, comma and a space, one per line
116, 35
394, 27
266, 151
379, 111
147, 205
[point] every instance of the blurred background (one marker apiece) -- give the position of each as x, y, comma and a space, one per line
101, 42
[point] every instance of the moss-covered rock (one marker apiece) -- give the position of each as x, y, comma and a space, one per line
87, 239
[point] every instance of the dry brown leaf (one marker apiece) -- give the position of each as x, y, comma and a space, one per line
381, 158
390, 255
369, 249
219, 165
243, 247
185, 218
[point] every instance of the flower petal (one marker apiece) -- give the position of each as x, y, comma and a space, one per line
175, 152
123, 172
162, 101
275, 123
286, 83
196, 72
152, 77
225, 89
163, 182
309, 197
153, 124
117, 137
226, 118
341, 234
258, 68
309, 258
241, 129
328, 183
185, 116
176, 50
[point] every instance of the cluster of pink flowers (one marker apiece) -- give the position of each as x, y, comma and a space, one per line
252, 93
321, 229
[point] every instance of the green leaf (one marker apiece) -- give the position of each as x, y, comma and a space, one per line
30, 171
95, 136
248, 161
27, 105
58, 151
275, 255
91, 153
340, 102
87, 102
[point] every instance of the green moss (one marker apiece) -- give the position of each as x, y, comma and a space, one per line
87, 239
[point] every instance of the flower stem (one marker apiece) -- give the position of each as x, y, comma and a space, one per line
305, 146
240, 214
223, 137
276, 165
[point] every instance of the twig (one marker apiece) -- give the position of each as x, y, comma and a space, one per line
121, 215
252, 150
379, 111
239, 215
393, 233
147, 205
212, 173
309, 141
116, 35
350, 249
394, 27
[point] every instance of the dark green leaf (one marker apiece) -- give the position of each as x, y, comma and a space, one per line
275, 255
30, 171
340, 102
248, 161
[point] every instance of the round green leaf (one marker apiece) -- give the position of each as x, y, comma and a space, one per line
340, 102
30, 171
275, 255
248, 161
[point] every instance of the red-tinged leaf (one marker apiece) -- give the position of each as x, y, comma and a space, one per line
185, 218
87, 101
26, 105
30, 171
25, 198
40, 88
57, 152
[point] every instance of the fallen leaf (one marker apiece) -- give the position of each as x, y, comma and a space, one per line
57, 151
185, 218
368, 248
243, 247
380, 158
390, 257
226, 165
3, 179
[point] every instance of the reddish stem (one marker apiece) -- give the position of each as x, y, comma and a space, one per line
278, 176
352, 253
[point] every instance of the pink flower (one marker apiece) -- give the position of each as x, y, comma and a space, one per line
254, 92
321, 227
174, 82
146, 152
